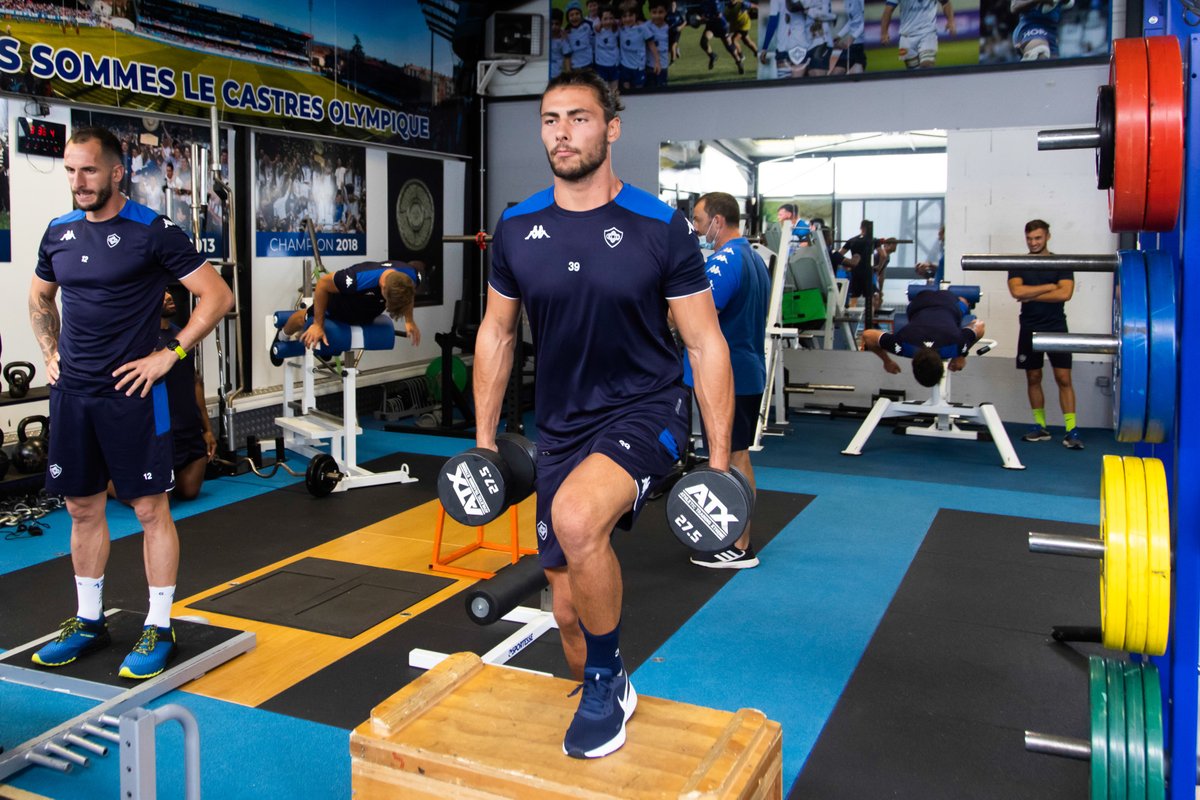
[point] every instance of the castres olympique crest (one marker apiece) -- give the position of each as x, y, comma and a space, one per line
613, 237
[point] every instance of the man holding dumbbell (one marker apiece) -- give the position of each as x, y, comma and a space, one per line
741, 291
934, 332
113, 258
597, 263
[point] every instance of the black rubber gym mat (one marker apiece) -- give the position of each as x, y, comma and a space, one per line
191, 639
662, 591
323, 596
960, 665
216, 546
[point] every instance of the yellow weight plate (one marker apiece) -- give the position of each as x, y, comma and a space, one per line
1113, 569
1137, 602
1158, 512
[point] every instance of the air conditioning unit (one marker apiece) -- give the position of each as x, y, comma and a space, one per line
515, 35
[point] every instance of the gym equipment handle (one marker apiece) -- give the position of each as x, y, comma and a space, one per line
1078, 546
1069, 139
1079, 263
1076, 342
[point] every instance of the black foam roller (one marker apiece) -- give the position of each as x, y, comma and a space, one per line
490, 600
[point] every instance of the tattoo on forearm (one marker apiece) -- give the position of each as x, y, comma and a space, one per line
43, 314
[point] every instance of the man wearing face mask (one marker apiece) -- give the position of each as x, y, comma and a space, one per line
741, 288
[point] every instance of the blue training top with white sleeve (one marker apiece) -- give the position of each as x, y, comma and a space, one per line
112, 275
741, 291
595, 286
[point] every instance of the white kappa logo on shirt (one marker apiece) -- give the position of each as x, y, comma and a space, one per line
537, 232
67, 237
113, 240
613, 237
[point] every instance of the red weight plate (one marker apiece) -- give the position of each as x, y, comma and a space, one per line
1128, 73
1164, 177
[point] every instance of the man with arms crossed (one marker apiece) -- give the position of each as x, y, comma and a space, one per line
113, 258
1043, 295
597, 264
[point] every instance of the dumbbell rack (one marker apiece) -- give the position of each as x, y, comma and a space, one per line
1181, 453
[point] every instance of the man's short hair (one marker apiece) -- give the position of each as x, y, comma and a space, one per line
398, 294
862, 226
110, 145
1037, 225
666, 4
927, 366
724, 204
788, 207
606, 95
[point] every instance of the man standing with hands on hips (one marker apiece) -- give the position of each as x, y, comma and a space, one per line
113, 259
597, 264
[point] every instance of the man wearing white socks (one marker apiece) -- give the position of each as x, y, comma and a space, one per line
113, 258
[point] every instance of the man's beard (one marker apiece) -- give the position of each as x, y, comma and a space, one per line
103, 195
587, 164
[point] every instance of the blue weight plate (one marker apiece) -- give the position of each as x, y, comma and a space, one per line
1161, 388
1131, 362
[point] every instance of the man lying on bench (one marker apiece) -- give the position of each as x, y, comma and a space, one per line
356, 296
935, 331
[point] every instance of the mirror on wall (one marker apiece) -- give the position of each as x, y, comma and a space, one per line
897, 180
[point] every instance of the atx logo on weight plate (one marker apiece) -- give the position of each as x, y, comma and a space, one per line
467, 490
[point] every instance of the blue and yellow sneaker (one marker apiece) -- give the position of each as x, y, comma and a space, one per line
76, 637
599, 725
150, 655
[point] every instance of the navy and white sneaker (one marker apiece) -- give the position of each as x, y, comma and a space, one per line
1037, 434
729, 558
599, 725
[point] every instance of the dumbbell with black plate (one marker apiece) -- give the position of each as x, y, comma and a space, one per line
708, 510
478, 485
32, 450
19, 374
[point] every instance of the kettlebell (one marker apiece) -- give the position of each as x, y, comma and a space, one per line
19, 375
3, 457
32, 451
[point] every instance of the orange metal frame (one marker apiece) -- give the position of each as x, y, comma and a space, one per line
444, 563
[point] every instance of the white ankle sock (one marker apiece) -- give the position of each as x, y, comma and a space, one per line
90, 592
161, 598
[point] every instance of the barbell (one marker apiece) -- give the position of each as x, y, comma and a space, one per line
1126, 726
1135, 552
1138, 134
1143, 341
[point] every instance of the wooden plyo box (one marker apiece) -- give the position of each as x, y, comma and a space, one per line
470, 731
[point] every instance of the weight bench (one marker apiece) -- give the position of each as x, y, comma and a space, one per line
946, 414
304, 427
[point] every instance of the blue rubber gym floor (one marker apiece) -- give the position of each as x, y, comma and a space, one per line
787, 637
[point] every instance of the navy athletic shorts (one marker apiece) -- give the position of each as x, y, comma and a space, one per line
95, 438
189, 446
1028, 358
644, 441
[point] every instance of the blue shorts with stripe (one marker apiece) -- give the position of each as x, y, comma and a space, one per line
95, 438
643, 441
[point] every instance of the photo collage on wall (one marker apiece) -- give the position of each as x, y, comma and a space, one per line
641, 45
157, 156
307, 179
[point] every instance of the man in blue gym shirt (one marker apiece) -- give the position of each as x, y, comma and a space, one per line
113, 258
597, 264
741, 291
934, 333
356, 296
